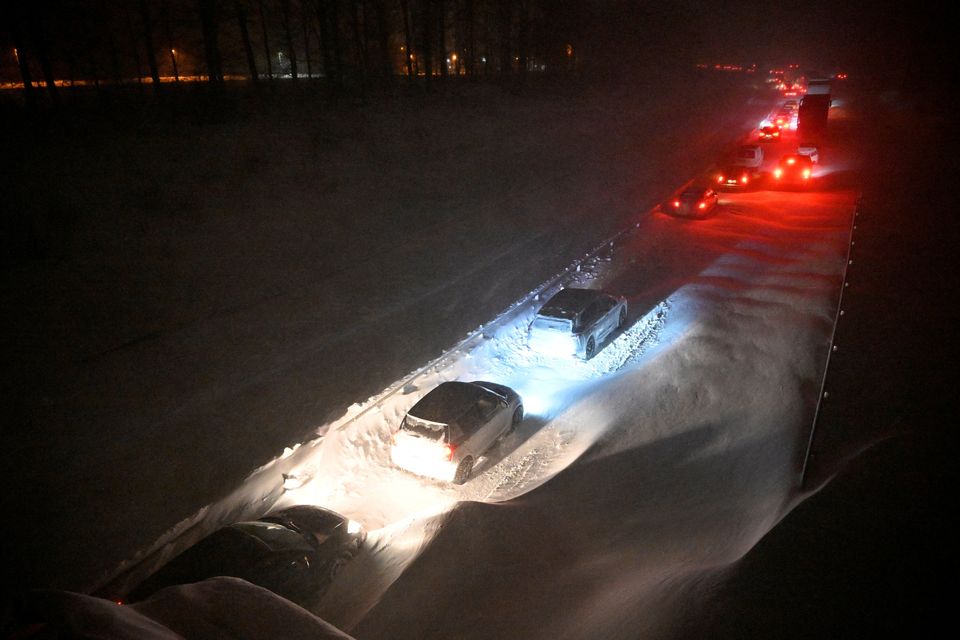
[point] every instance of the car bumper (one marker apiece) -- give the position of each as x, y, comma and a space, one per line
553, 345
422, 463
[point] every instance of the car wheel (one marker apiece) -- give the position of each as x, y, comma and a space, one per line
517, 417
623, 319
591, 347
463, 470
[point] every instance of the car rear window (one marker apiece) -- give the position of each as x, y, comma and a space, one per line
424, 428
749, 154
553, 324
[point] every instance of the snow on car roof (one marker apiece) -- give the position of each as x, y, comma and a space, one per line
447, 402
567, 303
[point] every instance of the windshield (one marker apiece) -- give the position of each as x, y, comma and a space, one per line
553, 324
424, 428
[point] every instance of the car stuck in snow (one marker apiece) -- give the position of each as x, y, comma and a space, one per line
449, 429
575, 322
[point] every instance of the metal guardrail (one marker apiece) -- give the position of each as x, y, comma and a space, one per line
832, 346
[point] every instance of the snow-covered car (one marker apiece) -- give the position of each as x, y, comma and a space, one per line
794, 170
575, 322
295, 552
449, 429
692, 202
809, 149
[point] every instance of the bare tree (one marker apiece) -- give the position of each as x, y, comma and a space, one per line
210, 27
305, 23
292, 53
266, 40
408, 51
383, 39
168, 34
245, 37
442, 36
426, 17
148, 42
20, 51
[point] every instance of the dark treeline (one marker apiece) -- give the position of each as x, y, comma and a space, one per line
52, 46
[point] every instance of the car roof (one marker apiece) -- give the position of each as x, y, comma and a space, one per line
567, 303
448, 401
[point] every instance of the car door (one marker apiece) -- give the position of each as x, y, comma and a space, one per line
609, 318
489, 413
590, 319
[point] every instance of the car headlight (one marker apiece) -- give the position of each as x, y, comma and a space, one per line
353, 527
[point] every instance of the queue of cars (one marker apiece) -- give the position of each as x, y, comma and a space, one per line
744, 170
298, 551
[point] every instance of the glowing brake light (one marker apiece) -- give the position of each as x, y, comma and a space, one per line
676, 204
777, 173
702, 205
806, 173
743, 179
791, 160
720, 178
448, 451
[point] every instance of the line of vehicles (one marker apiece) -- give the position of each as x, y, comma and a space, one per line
298, 551
747, 168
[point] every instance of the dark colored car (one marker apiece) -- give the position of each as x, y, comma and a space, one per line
769, 133
734, 177
693, 202
296, 553
794, 170
575, 322
446, 431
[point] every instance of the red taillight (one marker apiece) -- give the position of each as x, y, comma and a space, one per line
676, 204
777, 172
702, 205
806, 173
743, 179
791, 160
720, 179
448, 451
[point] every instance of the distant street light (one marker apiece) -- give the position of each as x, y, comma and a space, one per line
16, 55
173, 61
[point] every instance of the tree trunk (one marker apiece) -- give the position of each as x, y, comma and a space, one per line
39, 47
408, 60
210, 28
383, 37
29, 94
524, 37
169, 36
506, 24
266, 40
335, 36
148, 42
471, 41
442, 37
304, 19
426, 54
323, 21
292, 54
245, 36
361, 55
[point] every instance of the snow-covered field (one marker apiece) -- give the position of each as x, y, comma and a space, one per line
633, 479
